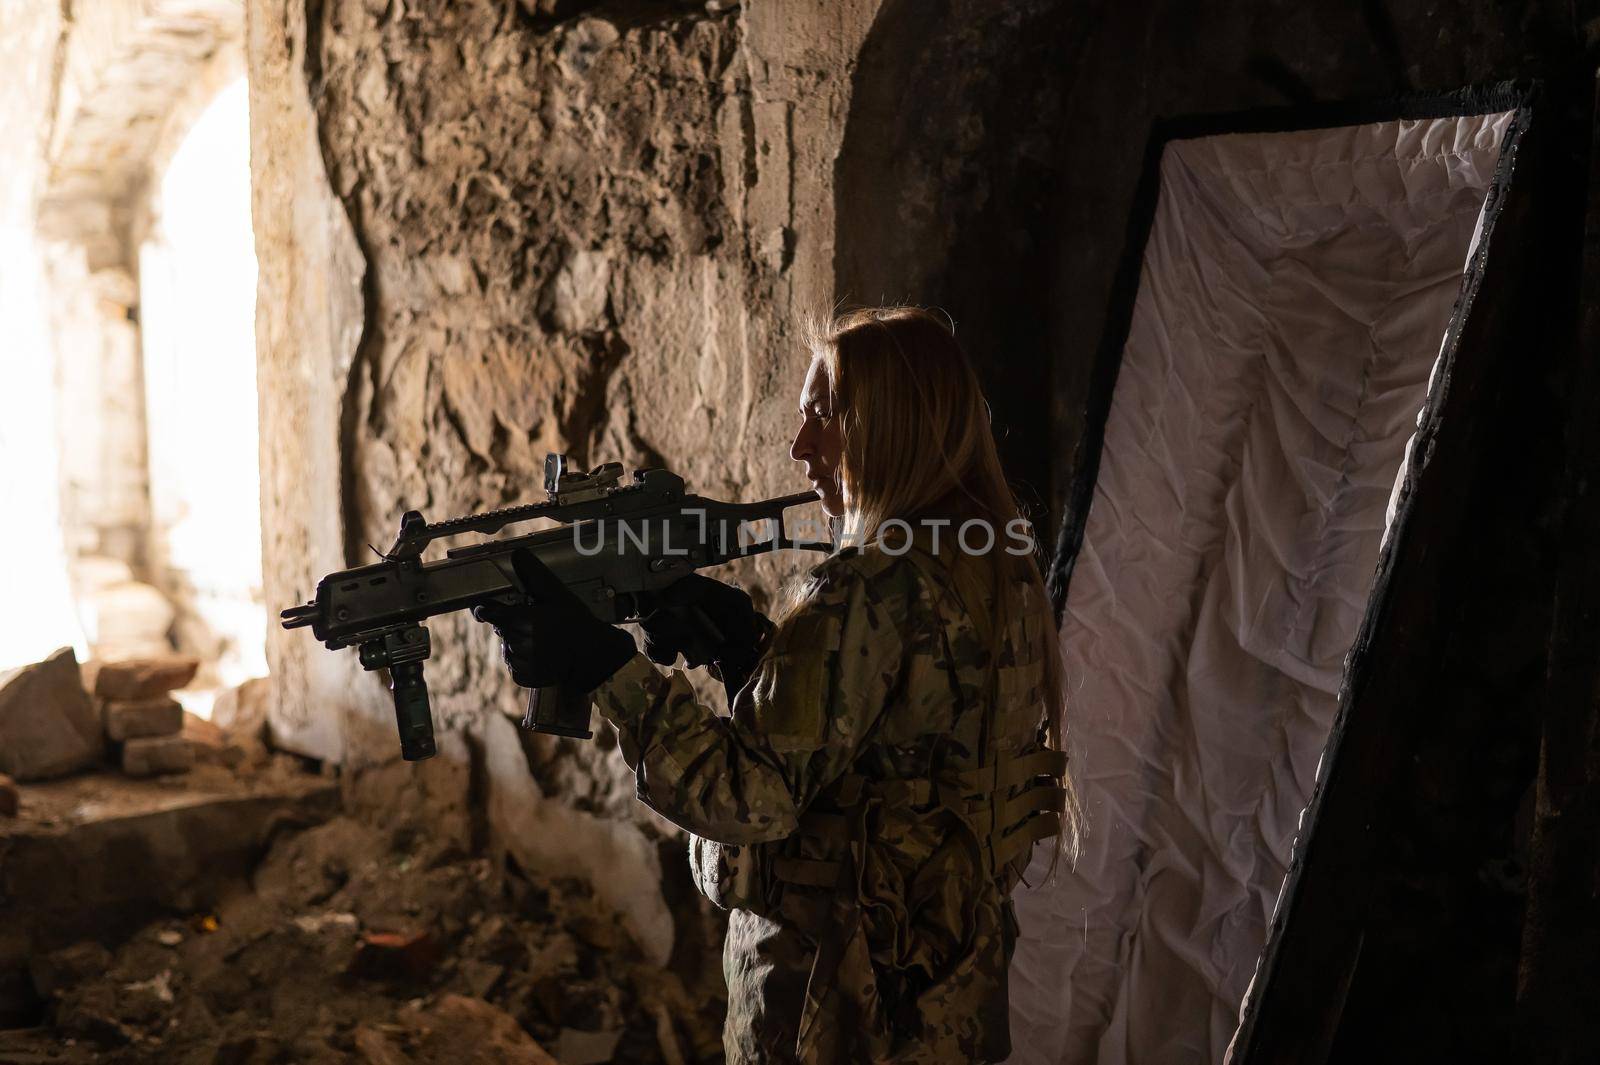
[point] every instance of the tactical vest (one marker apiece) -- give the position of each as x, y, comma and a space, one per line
1014, 797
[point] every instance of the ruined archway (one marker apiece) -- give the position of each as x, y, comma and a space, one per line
130, 79
197, 277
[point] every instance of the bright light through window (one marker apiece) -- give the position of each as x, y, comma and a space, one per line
198, 281
38, 615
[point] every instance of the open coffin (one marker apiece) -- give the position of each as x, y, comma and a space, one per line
1298, 294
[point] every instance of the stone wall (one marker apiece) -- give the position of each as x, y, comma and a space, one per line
122, 66
308, 321
485, 233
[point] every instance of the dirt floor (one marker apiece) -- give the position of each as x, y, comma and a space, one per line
376, 937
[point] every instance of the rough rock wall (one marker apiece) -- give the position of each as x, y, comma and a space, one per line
486, 231
308, 322
553, 264
592, 234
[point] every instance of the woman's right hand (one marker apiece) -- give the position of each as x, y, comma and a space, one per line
704, 620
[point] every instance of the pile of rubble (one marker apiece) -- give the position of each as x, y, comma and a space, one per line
141, 716
261, 908
378, 939
57, 718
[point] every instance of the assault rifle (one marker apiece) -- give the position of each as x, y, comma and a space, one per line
617, 546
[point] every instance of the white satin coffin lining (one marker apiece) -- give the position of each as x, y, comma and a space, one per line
1294, 294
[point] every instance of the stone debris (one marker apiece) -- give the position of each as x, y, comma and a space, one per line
211, 744
10, 800
481, 976
144, 678
241, 713
197, 729
542, 834
243, 709
89, 672
48, 724
455, 1029
132, 719
154, 755
100, 851
375, 1044
57, 970
135, 619
158, 987
574, 1047
481, 1033
377, 936
313, 924
395, 955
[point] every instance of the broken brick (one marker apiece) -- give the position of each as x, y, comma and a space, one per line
395, 955
157, 754
140, 718
210, 743
144, 678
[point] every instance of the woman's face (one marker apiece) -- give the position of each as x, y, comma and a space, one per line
818, 443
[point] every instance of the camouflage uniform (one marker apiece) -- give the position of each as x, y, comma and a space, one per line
852, 812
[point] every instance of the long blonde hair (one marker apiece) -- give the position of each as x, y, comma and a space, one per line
917, 443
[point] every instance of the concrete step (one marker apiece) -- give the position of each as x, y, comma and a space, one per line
94, 856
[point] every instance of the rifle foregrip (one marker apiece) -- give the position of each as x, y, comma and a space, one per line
413, 715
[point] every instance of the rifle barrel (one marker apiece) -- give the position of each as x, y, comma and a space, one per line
298, 617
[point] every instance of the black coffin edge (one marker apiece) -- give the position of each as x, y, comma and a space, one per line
1306, 1034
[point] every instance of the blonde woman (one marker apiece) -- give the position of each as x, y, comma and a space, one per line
893, 749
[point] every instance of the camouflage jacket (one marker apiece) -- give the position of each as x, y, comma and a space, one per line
869, 921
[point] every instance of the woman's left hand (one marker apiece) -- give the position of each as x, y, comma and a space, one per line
554, 640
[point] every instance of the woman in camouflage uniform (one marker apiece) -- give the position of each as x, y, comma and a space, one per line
892, 753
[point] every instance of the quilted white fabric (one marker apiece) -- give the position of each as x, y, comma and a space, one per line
1295, 291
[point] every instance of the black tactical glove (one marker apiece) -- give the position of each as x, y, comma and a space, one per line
556, 640
709, 623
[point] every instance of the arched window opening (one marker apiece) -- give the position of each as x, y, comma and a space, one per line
197, 273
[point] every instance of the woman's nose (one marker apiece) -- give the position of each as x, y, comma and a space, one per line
800, 450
